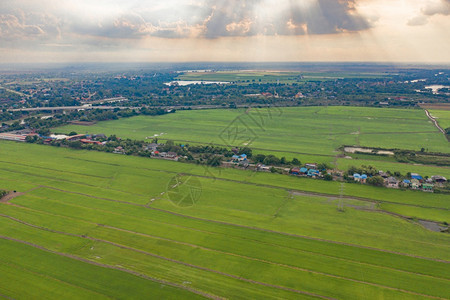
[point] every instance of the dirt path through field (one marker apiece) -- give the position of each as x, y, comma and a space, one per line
8, 197
433, 119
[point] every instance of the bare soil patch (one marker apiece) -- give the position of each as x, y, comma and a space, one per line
439, 106
83, 123
10, 196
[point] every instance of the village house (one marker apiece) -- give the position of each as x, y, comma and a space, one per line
406, 183
311, 166
427, 187
416, 176
295, 171
119, 150
357, 177
99, 136
76, 137
415, 184
363, 178
171, 155
383, 174
88, 141
151, 147
392, 182
313, 173
439, 179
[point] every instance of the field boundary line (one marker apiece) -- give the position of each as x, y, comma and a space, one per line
250, 227
300, 236
6, 297
433, 119
161, 281
267, 261
155, 256
52, 278
223, 252
61, 171
233, 236
280, 187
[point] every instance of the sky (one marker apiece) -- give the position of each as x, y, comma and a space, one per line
229, 30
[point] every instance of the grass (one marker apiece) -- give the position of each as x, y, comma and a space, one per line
312, 134
271, 76
50, 276
442, 116
403, 168
246, 236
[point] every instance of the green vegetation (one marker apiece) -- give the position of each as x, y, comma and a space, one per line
246, 236
271, 76
442, 116
311, 134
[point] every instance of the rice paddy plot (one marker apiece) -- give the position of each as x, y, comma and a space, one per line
82, 230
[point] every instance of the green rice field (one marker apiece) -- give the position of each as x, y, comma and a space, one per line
272, 76
312, 134
442, 116
88, 225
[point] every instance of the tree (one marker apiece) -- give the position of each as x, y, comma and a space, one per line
259, 158
295, 162
376, 181
72, 133
245, 150
323, 166
44, 131
271, 160
328, 177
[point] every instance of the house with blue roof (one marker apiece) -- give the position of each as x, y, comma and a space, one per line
303, 170
357, 177
363, 178
313, 173
416, 176
406, 183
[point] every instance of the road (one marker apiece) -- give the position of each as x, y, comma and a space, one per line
194, 107
434, 121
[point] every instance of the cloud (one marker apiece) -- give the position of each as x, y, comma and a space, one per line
245, 18
27, 26
176, 19
418, 20
436, 7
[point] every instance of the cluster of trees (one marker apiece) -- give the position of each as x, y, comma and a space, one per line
275, 161
42, 126
3, 193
